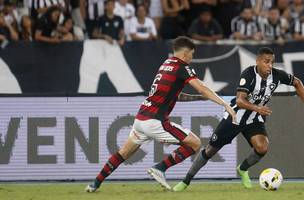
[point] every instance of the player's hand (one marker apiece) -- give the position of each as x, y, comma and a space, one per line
2, 37
109, 39
55, 40
231, 112
182, 7
121, 42
263, 110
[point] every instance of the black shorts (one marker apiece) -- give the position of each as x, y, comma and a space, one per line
226, 131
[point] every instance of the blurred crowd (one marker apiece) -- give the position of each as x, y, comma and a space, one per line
117, 21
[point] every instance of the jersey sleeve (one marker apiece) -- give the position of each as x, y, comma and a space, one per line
132, 26
187, 73
285, 78
153, 28
246, 81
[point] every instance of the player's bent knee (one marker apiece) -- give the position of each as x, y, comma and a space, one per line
261, 149
128, 148
211, 151
196, 144
193, 141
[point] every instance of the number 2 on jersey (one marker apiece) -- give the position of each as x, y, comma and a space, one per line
154, 84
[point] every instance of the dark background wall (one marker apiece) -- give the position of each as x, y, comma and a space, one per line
41, 68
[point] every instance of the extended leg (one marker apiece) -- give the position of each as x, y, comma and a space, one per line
189, 146
114, 161
200, 161
260, 145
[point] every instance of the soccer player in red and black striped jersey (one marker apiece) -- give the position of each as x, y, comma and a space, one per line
152, 120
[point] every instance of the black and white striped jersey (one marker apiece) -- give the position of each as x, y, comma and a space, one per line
272, 31
298, 27
95, 9
259, 92
36, 4
247, 28
266, 4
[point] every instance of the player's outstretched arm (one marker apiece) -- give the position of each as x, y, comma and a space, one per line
191, 97
209, 94
242, 102
299, 88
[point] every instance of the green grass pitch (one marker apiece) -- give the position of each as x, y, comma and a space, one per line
147, 191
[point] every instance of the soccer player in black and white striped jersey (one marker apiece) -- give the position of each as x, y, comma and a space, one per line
257, 84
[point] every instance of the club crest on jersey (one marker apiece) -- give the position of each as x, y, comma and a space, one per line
214, 137
242, 81
272, 86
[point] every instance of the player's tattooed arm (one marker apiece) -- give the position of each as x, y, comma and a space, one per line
191, 97
299, 88
242, 102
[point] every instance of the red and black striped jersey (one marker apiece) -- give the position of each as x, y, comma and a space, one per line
169, 81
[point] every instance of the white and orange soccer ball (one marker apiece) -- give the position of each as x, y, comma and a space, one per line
271, 179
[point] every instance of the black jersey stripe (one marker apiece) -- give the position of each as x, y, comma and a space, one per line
261, 93
166, 82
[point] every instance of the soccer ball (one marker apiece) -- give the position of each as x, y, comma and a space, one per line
271, 179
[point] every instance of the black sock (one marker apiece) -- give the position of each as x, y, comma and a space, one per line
114, 161
97, 183
178, 155
251, 160
161, 166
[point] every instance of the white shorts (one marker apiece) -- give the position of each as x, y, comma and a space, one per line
164, 132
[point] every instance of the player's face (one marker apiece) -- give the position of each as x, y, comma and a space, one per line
188, 54
205, 17
297, 2
141, 12
265, 63
247, 14
110, 7
123, 2
55, 16
274, 15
